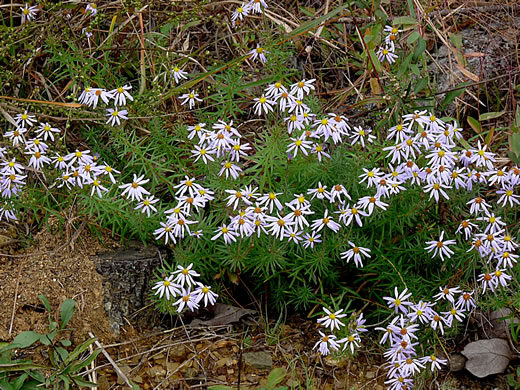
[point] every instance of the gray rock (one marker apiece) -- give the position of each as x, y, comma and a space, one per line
260, 360
487, 357
457, 362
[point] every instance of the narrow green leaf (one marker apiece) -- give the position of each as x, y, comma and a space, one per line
490, 115
405, 20
45, 302
219, 387
79, 350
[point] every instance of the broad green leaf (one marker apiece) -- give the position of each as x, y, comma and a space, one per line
415, 69
20, 366
450, 97
405, 20
63, 353
517, 116
413, 37
515, 143
65, 343
490, 115
456, 39
5, 385
420, 47
66, 311
475, 124
275, 377
78, 366
420, 85
26, 339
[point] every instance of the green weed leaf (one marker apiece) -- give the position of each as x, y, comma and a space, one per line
275, 377
490, 115
66, 311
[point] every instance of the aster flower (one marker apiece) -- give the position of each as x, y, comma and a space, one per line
46, 131
178, 74
16, 136
310, 239
184, 275
228, 234
356, 253
115, 116
400, 301
440, 247
121, 94
134, 190
257, 5
326, 343
386, 53
447, 293
167, 287
230, 170
25, 120
435, 362
204, 153
91, 8
240, 13
28, 13
362, 136
205, 293
299, 144
263, 105
92, 98
166, 231
187, 299
190, 98
146, 205
302, 88
259, 53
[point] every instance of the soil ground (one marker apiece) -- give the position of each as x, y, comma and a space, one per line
180, 357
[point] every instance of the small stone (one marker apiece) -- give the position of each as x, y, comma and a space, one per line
457, 362
125, 370
178, 353
102, 382
137, 379
370, 375
261, 360
172, 366
379, 387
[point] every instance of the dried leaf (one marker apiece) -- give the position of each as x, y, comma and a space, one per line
487, 357
224, 315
